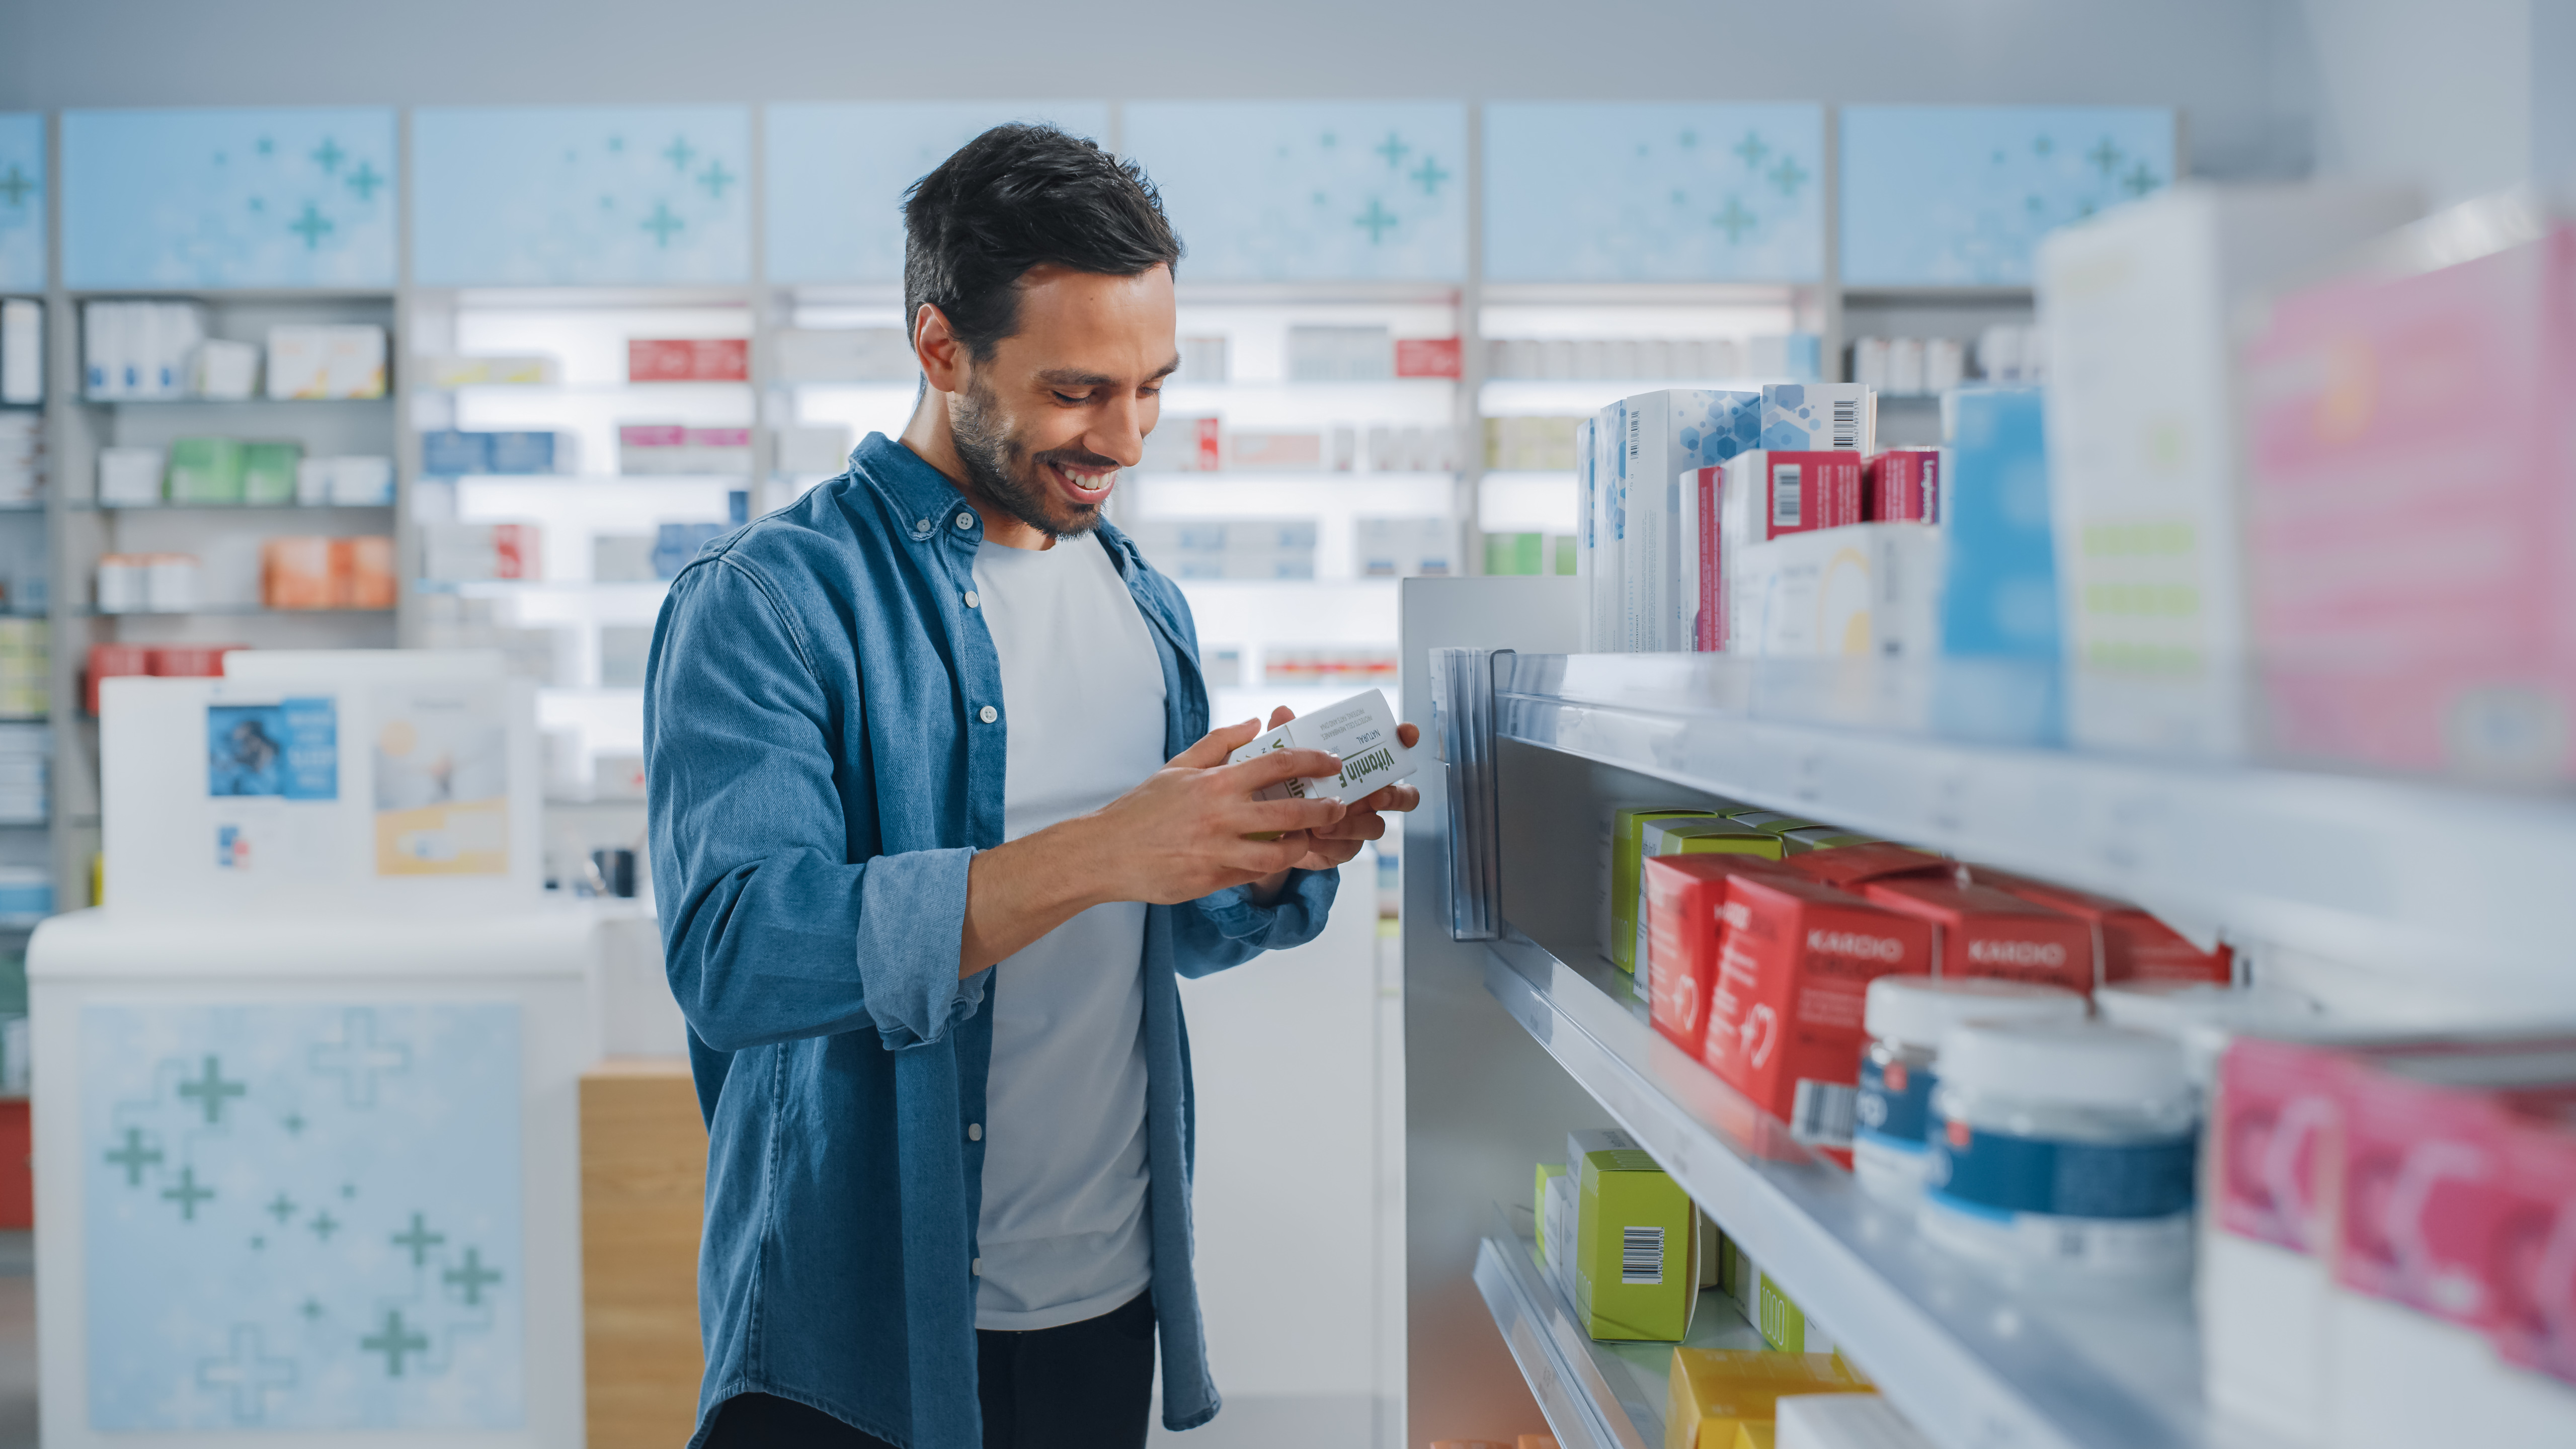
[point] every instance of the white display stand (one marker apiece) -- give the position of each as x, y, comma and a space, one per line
307, 1118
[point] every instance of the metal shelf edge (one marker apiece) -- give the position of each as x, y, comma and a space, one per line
1575, 1416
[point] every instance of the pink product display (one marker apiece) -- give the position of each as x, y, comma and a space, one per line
2412, 515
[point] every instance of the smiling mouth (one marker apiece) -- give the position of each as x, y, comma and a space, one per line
1086, 482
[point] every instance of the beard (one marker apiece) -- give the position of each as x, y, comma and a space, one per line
1008, 475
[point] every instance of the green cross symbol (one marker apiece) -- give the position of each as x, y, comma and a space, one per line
249, 1373
2042, 145
1788, 175
312, 226
324, 1225
266, 145
133, 1157
329, 155
616, 143
365, 180
282, 1209
2140, 180
187, 1194
679, 153
1377, 219
715, 179
419, 1240
1735, 220
662, 223
15, 185
1689, 139
211, 1090
473, 1278
1752, 150
312, 1308
2033, 205
2105, 155
1430, 174
394, 1342
1393, 149
293, 1122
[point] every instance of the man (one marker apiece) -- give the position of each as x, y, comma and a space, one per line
937, 824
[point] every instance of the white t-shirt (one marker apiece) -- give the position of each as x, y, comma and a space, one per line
1063, 1234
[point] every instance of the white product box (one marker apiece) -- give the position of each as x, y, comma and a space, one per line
1403, 548
22, 351
1866, 590
2142, 434
1815, 417
313, 482
224, 369
813, 448
128, 477
1359, 731
1844, 1421
1869, 362
1607, 522
1945, 364
298, 363
358, 481
102, 346
353, 362
1659, 434
171, 582
617, 777
1904, 366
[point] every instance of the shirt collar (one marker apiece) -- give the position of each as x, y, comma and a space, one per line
922, 495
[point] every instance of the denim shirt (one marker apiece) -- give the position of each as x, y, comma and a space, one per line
823, 734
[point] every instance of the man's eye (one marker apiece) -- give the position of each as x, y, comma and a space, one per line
1072, 400
1149, 392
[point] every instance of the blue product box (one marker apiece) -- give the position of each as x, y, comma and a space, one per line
1999, 595
738, 506
451, 454
522, 452
677, 543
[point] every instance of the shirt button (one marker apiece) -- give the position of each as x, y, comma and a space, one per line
974, 1131
921, 525
988, 714
974, 600
965, 520
976, 1267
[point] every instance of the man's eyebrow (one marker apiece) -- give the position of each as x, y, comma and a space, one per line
1068, 377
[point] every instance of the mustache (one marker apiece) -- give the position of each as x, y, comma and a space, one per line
1078, 458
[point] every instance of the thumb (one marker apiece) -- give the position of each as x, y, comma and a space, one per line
1211, 748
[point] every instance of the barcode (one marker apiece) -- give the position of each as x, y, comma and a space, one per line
1847, 423
1641, 1255
1822, 1112
1785, 495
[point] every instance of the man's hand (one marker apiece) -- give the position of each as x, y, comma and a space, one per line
1330, 846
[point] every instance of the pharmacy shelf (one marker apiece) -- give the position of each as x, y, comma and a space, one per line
1973, 1364
1964, 758
86, 506
235, 402
226, 611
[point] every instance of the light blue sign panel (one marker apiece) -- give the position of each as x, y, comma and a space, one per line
302, 1217
229, 198
1310, 191
1654, 192
579, 196
22, 202
1959, 195
836, 173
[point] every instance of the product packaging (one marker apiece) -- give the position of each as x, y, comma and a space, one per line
1427, 357
1981, 931
1184, 445
224, 370
523, 370
1999, 585
1621, 857
1769, 494
205, 470
129, 477
268, 472
532, 452
1636, 1235
1845, 1421
362, 572
22, 351
448, 453
1902, 485
295, 573
1851, 866
2531, 1276
1604, 558
1864, 591
1547, 1172
472, 552
1718, 1393
688, 359
1786, 1011
1784, 1325
1657, 437
1685, 925
2128, 943
359, 481
327, 361
1689, 836
1358, 731
1813, 417
1821, 837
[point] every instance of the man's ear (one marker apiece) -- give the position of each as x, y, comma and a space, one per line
942, 357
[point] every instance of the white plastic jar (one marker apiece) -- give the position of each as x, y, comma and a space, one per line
1906, 1017
2062, 1154
2202, 1016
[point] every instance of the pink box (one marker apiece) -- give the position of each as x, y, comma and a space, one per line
1426, 357
2411, 518
2531, 1274
1903, 485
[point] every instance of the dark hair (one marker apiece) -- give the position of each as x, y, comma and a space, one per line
1016, 197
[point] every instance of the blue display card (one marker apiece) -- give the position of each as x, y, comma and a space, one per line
579, 196
1654, 192
1310, 191
22, 202
836, 172
299, 197
1937, 196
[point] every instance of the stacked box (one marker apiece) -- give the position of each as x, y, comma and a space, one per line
1685, 924
1719, 1398
1999, 575
1864, 591
328, 573
1765, 495
1228, 548
326, 361
206, 470
1635, 1239
22, 457
25, 753
1656, 437
1903, 485
1622, 853
268, 472
1687, 835
688, 359
2128, 943
1981, 931
472, 552
1403, 548
26, 667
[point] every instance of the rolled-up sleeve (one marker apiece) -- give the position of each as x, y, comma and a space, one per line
1228, 929
770, 931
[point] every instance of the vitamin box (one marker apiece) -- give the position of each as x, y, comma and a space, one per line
1636, 1268
1685, 901
1850, 865
2131, 944
1359, 731
1985, 932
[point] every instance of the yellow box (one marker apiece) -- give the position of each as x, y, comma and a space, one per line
1716, 1391
1757, 1436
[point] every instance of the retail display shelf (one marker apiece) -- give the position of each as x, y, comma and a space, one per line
236, 402
220, 296
85, 505
1967, 758
233, 611
656, 387
1973, 295
536, 586
593, 480
1974, 1364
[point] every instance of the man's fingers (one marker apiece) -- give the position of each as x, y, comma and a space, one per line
1360, 824
1398, 798
1263, 771
1408, 735
1288, 815
1281, 716
1210, 749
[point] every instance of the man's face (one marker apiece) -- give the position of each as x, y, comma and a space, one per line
1047, 421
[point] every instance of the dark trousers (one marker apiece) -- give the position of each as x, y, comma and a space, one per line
1087, 1385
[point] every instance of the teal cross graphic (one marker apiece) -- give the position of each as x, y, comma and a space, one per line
282, 1208
312, 226
1788, 175
249, 1373
2105, 155
1430, 174
679, 153
2139, 181
1689, 139
365, 180
357, 1057
133, 1157
1377, 219
311, 1308
1393, 149
420, 1239
395, 1342
2033, 204
473, 1278
1735, 221
293, 1122
662, 223
187, 1194
328, 155
266, 145
324, 1225
715, 179
1752, 150
211, 1090
616, 143
2042, 145
15, 185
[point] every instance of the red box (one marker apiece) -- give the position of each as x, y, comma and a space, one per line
1829, 496
1903, 485
2130, 944
688, 359
516, 551
1685, 910
1426, 357
2531, 1271
1981, 931
1785, 1019
1848, 866
188, 661
17, 1168
113, 661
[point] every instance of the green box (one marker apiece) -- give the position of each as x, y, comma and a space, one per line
1627, 827
1821, 837
1708, 835
268, 472
1774, 821
206, 470
1566, 554
1785, 1326
1636, 1274
1513, 553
